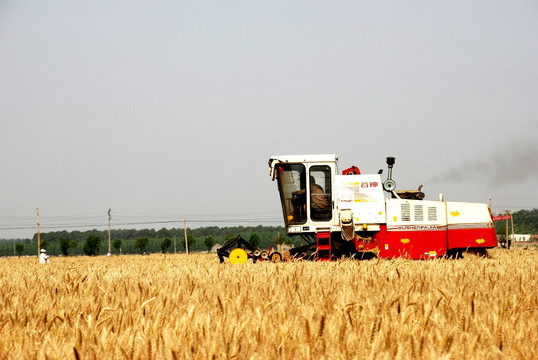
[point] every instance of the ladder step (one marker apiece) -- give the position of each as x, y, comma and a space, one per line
323, 240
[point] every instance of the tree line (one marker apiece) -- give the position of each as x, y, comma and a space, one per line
525, 222
132, 241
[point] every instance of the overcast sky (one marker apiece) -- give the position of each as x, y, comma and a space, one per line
164, 109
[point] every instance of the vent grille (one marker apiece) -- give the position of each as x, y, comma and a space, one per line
432, 214
419, 213
406, 212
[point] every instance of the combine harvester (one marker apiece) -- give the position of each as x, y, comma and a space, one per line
348, 215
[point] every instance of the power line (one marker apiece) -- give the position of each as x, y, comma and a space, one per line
149, 222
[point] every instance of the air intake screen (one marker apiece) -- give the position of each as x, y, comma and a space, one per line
419, 213
432, 214
406, 212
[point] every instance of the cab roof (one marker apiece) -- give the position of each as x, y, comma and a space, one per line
319, 158
304, 158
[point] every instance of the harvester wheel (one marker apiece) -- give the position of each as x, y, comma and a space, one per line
276, 257
264, 255
238, 256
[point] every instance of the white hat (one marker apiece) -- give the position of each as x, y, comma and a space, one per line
43, 250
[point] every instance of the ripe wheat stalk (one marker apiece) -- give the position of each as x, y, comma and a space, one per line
185, 307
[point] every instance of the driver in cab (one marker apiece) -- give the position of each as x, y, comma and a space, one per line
318, 200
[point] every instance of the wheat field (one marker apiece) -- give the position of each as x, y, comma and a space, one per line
192, 307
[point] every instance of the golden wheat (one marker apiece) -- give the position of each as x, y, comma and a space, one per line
192, 307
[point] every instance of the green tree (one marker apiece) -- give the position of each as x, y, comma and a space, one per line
92, 245
209, 241
525, 222
116, 244
141, 243
66, 244
44, 244
19, 248
229, 237
165, 244
280, 239
191, 239
254, 240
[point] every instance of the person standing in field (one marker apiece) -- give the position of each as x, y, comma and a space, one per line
43, 258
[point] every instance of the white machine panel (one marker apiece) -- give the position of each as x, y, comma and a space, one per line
415, 214
363, 195
467, 213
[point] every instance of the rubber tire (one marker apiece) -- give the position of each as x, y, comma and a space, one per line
275, 257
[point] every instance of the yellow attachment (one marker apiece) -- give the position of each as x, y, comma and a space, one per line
238, 256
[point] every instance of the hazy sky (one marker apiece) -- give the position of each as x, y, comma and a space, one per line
164, 109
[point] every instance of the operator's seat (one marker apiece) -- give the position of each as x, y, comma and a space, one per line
321, 214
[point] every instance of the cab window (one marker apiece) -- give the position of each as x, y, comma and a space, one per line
291, 185
320, 193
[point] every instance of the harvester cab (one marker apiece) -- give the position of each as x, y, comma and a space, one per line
314, 198
306, 190
348, 214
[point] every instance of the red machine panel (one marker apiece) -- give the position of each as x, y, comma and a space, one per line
413, 244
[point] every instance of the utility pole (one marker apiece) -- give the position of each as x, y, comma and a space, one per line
185, 229
109, 217
512, 222
38, 234
506, 225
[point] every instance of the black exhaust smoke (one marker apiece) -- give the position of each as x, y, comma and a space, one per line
515, 164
